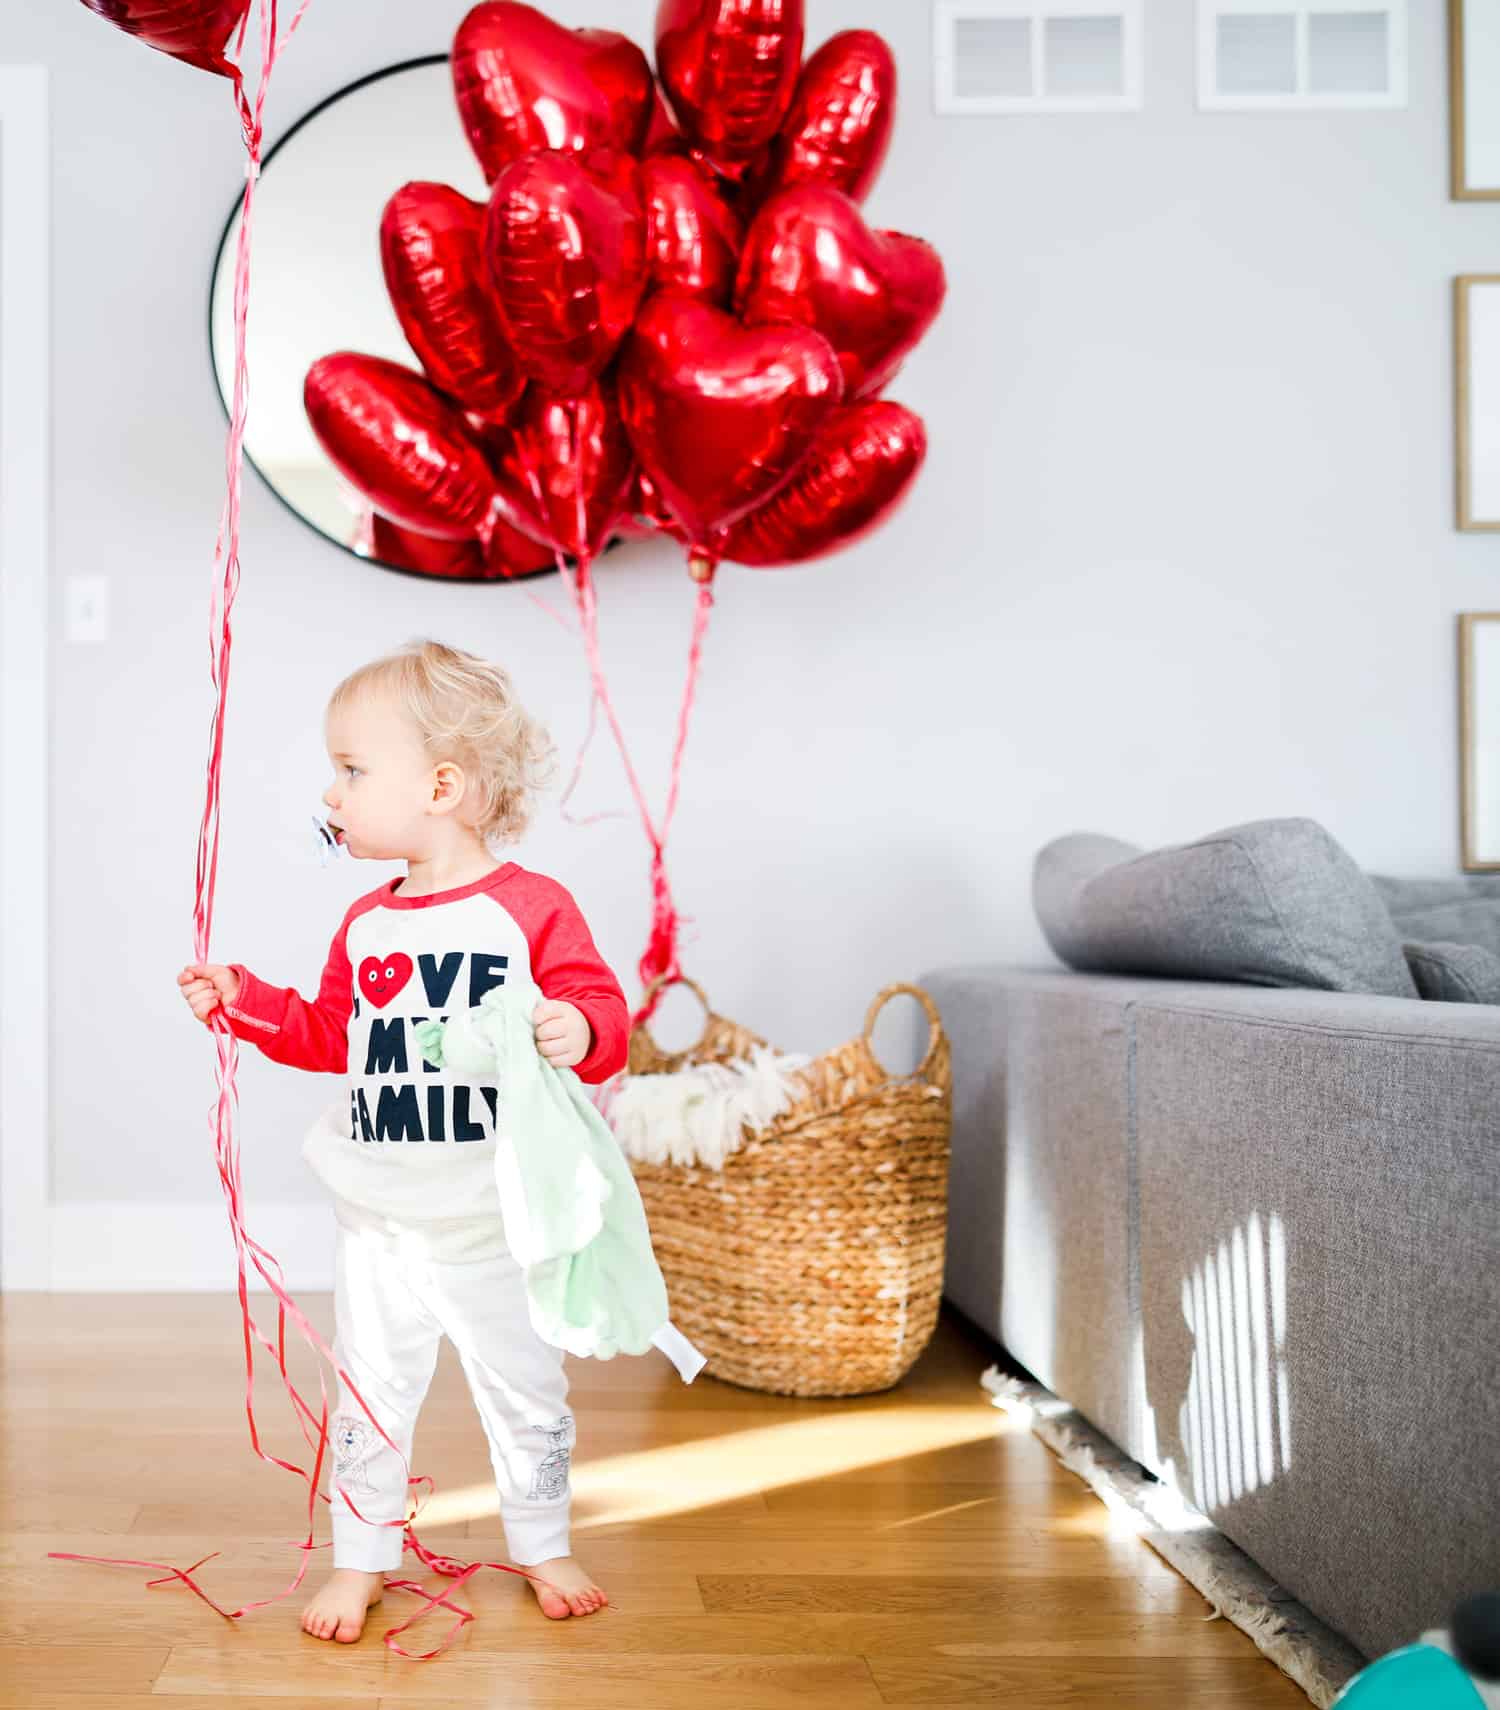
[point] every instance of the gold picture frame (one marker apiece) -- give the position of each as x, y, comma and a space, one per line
1482, 516
1460, 113
1479, 741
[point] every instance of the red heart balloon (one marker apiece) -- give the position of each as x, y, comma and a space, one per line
729, 68
857, 472
431, 246
523, 82
719, 414
692, 233
565, 244
648, 509
838, 126
194, 31
564, 468
809, 257
511, 554
408, 549
401, 443
662, 132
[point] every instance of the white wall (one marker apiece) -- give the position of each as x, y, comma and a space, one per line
1183, 555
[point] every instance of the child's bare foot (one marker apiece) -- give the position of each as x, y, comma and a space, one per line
338, 1611
575, 1593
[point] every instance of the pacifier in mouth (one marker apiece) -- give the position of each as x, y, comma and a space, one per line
330, 840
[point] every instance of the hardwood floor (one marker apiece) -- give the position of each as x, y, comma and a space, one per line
910, 1548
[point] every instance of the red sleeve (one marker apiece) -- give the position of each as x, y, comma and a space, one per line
287, 1027
566, 964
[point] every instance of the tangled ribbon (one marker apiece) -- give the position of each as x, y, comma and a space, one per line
222, 1119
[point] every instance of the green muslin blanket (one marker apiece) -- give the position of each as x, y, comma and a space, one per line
573, 1214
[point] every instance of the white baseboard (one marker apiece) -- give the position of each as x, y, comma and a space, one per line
183, 1248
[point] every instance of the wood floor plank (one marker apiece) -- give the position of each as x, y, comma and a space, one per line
676, 1680
917, 1547
30, 1699
1139, 1683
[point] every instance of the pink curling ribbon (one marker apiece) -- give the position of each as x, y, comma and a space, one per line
222, 1119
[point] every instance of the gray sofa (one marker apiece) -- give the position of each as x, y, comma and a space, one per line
1252, 1233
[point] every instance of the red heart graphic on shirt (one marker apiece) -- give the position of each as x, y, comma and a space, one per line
381, 977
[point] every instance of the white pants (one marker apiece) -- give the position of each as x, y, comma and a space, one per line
393, 1303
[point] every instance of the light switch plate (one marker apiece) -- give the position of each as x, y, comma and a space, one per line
88, 608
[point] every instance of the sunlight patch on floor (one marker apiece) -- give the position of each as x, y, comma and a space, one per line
678, 1478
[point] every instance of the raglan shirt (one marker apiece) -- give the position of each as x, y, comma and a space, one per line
409, 1143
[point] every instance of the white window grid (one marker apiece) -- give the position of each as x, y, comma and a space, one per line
948, 13
1211, 98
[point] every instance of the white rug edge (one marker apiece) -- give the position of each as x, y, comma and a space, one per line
1313, 1655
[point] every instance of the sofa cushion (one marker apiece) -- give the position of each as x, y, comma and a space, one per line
1454, 973
1276, 902
1473, 921
1407, 896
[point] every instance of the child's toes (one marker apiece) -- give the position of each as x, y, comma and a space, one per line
553, 1604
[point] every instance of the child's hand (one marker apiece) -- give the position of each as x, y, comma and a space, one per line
205, 985
562, 1032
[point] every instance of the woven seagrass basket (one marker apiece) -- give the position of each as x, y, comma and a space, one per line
812, 1263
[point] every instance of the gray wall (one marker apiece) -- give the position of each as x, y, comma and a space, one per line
1183, 555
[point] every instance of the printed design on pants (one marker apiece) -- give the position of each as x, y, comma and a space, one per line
549, 1480
354, 1441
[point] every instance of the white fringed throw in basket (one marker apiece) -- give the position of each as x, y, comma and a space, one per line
811, 1261
697, 1115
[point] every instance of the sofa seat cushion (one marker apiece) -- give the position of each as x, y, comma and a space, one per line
1276, 902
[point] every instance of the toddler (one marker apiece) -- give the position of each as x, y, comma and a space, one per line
434, 762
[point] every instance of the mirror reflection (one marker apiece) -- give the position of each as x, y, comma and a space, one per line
317, 286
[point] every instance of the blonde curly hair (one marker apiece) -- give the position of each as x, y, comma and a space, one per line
465, 710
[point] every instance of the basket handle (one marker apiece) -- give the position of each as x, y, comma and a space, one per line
698, 992
935, 1022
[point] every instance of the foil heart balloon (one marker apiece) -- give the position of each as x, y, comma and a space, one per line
719, 414
645, 513
194, 31
524, 82
431, 247
729, 68
693, 236
407, 549
838, 127
809, 257
565, 245
511, 554
662, 132
857, 472
564, 469
402, 444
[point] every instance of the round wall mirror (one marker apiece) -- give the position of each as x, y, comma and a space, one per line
316, 285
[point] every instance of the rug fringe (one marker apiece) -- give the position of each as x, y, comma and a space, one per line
1312, 1654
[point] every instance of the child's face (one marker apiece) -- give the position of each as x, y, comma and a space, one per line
384, 785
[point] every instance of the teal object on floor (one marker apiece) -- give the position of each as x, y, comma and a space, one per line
1417, 1677
572, 1211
